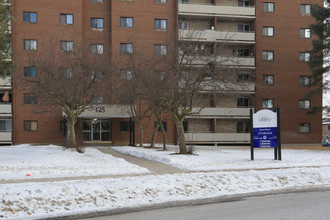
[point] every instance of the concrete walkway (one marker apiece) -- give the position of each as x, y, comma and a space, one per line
154, 167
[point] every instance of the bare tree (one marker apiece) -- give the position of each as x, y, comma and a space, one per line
70, 81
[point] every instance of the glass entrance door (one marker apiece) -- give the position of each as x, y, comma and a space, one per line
97, 130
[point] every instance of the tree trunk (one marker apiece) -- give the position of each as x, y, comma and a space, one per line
181, 137
141, 133
154, 134
71, 133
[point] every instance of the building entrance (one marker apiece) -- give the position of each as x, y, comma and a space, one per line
97, 130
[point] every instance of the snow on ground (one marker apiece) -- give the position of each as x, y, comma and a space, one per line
16, 162
33, 200
217, 158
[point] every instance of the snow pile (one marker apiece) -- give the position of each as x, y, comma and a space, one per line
216, 158
33, 200
25, 161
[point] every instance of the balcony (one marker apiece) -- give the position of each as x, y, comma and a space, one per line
224, 11
222, 113
237, 38
5, 110
5, 82
220, 87
217, 138
5, 137
241, 62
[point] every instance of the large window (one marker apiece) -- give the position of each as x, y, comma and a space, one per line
267, 103
304, 104
243, 102
160, 24
268, 55
66, 72
96, 130
30, 126
66, 46
305, 33
183, 25
30, 99
243, 127
97, 48
97, 23
126, 48
30, 72
268, 6
243, 78
304, 127
5, 125
66, 18
30, 17
126, 74
304, 80
304, 57
268, 31
126, 22
305, 9
30, 45
268, 79
243, 28
243, 3
243, 52
160, 49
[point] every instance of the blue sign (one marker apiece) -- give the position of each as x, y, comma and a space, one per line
265, 129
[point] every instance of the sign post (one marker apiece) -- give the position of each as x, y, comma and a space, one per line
265, 132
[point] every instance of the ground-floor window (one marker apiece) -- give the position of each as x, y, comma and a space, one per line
97, 130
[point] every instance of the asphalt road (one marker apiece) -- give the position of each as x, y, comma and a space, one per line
302, 206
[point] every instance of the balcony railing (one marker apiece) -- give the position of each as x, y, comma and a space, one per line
247, 62
5, 82
223, 113
214, 86
217, 138
217, 10
5, 137
5, 109
217, 36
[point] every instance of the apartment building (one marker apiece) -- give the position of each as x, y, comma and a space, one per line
260, 48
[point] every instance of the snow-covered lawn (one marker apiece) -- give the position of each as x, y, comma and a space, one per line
218, 158
31, 200
26, 161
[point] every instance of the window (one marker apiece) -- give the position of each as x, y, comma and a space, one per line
183, 25
96, 0
126, 22
97, 48
66, 46
304, 127
183, 1
185, 126
126, 74
268, 6
243, 102
305, 33
160, 1
160, 49
267, 103
66, 72
97, 23
126, 48
30, 17
243, 127
97, 100
30, 125
268, 79
328, 127
63, 126
30, 45
304, 57
304, 104
66, 18
305, 9
160, 24
5, 125
243, 52
243, 78
30, 71
30, 99
97, 75
125, 126
304, 80
164, 126
243, 28
243, 3
159, 75
268, 55
268, 31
